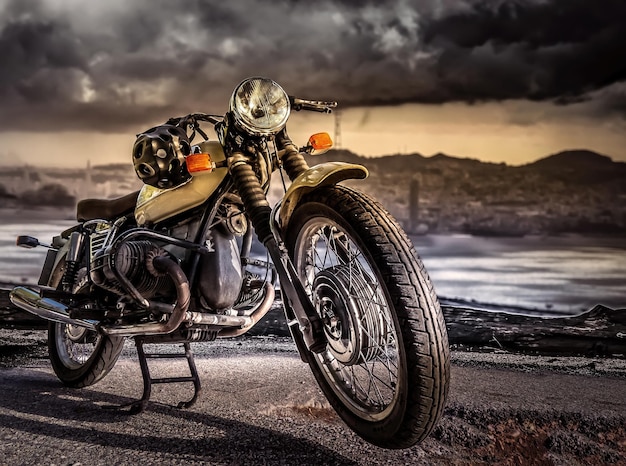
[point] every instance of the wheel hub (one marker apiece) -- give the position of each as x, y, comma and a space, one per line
346, 304
78, 334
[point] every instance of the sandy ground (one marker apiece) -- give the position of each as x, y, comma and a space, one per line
260, 405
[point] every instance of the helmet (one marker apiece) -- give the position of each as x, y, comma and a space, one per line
159, 156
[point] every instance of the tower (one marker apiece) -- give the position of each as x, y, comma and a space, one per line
337, 129
85, 186
414, 189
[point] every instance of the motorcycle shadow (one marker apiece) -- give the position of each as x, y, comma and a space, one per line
34, 403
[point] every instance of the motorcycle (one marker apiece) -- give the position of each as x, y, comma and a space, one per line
172, 262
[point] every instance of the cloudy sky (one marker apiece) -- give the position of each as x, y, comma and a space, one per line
509, 81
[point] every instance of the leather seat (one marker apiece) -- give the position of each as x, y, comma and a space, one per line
106, 209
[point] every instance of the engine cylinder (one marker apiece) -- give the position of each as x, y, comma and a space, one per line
133, 260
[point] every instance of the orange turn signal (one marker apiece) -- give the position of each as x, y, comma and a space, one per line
321, 141
199, 163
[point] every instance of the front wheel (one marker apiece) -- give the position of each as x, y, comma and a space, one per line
387, 363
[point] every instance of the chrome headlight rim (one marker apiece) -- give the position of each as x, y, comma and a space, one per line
246, 122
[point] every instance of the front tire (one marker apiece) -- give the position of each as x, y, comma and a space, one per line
386, 368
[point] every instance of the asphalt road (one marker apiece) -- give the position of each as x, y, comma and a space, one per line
260, 405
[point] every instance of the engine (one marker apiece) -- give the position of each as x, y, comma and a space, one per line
133, 260
219, 274
218, 279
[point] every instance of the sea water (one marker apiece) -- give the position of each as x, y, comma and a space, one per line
565, 274
20, 265
557, 274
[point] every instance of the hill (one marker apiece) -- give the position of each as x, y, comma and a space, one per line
578, 159
575, 191
579, 166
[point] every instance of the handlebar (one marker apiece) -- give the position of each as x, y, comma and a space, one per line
312, 105
192, 120
194, 117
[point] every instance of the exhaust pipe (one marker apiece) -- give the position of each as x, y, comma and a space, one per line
49, 309
183, 298
257, 315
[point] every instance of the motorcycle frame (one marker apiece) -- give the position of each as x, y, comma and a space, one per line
245, 166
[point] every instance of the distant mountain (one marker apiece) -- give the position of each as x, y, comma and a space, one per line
579, 159
403, 163
572, 165
571, 191
114, 166
579, 166
393, 163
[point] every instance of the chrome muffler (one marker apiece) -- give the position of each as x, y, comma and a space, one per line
49, 309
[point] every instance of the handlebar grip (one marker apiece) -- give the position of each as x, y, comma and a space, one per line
311, 105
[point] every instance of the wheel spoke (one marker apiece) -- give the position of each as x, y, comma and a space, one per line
75, 346
362, 362
373, 384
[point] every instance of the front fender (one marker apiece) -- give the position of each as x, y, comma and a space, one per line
324, 174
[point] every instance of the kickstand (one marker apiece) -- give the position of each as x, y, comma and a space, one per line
136, 407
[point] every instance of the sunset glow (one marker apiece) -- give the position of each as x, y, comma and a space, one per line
498, 81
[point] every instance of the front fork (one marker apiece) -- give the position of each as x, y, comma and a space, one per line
295, 299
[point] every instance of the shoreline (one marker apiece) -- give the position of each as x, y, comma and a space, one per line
445, 301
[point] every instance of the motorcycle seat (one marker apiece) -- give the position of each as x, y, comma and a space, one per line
106, 209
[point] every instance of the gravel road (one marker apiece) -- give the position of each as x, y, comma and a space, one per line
260, 405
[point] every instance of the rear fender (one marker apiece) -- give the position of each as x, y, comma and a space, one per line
324, 174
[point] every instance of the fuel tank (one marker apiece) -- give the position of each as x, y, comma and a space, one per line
155, 205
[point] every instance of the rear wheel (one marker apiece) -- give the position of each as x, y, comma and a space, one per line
386, 366
80, 357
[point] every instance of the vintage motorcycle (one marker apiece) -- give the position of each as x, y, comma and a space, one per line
172, 263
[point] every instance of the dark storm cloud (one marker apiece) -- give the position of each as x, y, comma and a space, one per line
120, 65
560, 49
38, 56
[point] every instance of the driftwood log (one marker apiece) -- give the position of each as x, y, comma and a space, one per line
13, 317
600, 331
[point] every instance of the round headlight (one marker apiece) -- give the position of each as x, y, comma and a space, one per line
260, 106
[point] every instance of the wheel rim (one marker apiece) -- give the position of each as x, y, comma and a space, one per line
75, 345
363, 364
